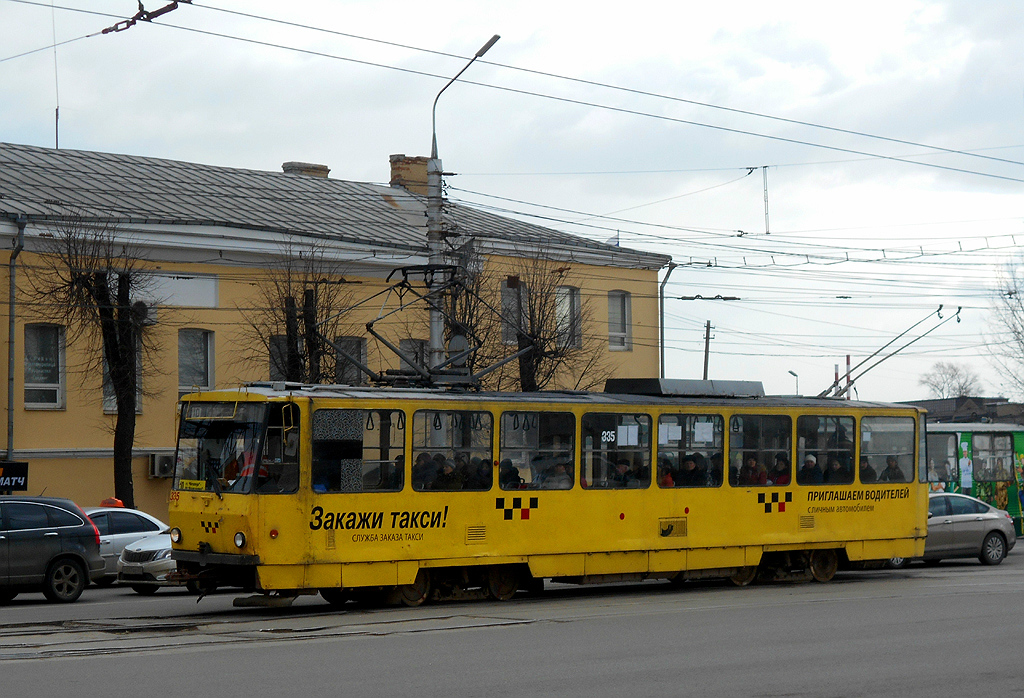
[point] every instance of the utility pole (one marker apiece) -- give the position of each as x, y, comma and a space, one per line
435, 234
661, 315
707, 346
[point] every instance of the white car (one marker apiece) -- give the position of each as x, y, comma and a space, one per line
145, 564
118, 527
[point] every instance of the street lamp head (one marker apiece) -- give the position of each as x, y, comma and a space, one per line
793, 373
433, 112
487, 47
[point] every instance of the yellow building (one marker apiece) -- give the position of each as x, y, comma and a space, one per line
212, 241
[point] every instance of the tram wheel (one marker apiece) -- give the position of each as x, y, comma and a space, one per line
416, 593
745, 576
502, 582
823, 564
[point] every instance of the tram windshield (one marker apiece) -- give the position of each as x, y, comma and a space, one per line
218, 446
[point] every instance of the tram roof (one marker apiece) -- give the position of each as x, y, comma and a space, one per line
950, 427
278, 390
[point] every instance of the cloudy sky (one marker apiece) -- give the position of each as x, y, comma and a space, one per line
889, 137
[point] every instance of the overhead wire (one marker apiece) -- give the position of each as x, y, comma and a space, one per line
622, 110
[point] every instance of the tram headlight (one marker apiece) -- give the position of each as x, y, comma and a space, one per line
175, 535
239, 540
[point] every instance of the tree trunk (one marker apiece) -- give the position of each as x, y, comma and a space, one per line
527, 365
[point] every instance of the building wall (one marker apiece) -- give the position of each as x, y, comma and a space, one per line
69, 450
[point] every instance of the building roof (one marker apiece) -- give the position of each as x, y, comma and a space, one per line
47, 184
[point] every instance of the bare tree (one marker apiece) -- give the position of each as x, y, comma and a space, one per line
1007, 347
947, 380
89, 280
300, 296
542, 308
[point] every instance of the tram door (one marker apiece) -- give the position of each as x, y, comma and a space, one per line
282, 527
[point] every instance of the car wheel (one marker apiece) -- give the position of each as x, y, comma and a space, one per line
145, 589
896, 563
65, 581
7, 595
993, 549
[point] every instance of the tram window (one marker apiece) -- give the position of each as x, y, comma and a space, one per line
760, 450
829, 440
942, 466
616, 450
217, 446
278, 470
452, 450
690, 450
993, 454
358, 450
887, 444
537, 450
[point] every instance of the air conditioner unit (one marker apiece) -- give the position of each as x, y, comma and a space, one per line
161, 465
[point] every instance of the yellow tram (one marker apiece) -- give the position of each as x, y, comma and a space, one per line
287, 489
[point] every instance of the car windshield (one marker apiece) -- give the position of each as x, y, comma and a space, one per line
218, 446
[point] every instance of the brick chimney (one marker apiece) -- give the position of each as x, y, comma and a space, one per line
409, 172
306, 168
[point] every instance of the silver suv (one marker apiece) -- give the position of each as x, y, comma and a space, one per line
46, 544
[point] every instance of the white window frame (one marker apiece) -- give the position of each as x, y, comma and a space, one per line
568, 317
342, 365
109, 399
418, 348
620, 337
513, 315
278, 344
59, 386
210, 381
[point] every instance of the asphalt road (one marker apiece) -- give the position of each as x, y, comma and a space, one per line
956, 629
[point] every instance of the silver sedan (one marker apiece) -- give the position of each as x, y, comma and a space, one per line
962, 526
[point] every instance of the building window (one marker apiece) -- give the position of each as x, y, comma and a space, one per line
279, 358
195, 361
514, 301
346, 372
44, 366
109, 398
418, 349
568, 317
619, 321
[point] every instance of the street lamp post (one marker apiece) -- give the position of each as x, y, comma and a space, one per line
435, 235
793, 373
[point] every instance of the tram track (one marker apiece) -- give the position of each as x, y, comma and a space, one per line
72, 639
28, 640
